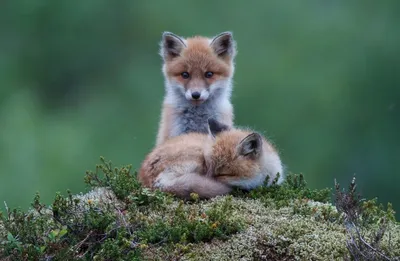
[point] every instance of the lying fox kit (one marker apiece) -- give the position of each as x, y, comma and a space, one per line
212, 164
198, 75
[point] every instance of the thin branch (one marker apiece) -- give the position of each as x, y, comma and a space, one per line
124, 221
368, 245
77, 246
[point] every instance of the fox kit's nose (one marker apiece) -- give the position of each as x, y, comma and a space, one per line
196, 95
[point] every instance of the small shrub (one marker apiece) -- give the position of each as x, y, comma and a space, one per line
111, 224
193, 225
124, 184
365, 222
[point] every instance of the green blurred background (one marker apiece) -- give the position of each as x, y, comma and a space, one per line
80, 79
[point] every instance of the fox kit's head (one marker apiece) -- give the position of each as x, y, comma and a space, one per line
198, 68
243, 158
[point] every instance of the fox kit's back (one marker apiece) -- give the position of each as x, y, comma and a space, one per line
198, 78
185, 151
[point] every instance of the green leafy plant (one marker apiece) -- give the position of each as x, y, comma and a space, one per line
192, 224
123, 183
113, 223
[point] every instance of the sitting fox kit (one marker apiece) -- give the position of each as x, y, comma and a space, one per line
198, 75
197, 148
211, 164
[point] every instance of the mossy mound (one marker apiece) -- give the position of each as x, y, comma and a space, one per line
120, 220
270, 234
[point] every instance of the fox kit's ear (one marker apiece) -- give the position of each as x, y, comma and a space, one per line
251, 145
215, 127
224, 45
171, 46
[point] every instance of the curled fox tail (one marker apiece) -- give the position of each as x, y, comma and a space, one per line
183, 185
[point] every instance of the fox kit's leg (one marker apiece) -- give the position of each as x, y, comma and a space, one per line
183, 185
165, 124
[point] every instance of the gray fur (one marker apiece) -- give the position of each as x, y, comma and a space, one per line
251, 145
216, 127
171, 45
223, 44
194, 118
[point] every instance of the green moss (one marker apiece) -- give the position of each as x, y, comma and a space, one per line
192, 224
120, 220
294, 187
275, 234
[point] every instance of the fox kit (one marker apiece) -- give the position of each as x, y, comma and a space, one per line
198, 75
212, 164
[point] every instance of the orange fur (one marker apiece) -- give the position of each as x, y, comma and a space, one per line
209, 166
228, 165
183, 149
197, 59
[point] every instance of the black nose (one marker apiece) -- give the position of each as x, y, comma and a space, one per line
195, 95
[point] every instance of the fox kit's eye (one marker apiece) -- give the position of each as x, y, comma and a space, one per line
185, 75
208, 74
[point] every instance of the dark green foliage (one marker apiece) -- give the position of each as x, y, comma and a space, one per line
294, 187
123, 183
192, 225
66, 232
121, 220
33, 234
78, 228
119, 249
71, 229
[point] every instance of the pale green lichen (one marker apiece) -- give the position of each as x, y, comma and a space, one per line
278, 234
98, 197
290, 235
